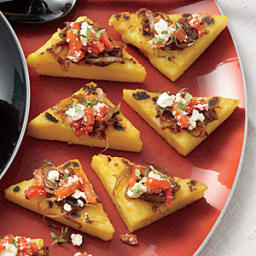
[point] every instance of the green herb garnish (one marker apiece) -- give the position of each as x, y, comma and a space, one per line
174, 39
89, 103
176, 24
159, 40
14, 242
64, 177
98, 34
168, 57
137, 173
182, 106
62, 238
164, 32
188, 97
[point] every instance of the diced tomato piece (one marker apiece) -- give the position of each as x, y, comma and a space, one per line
133, 179
168, 195
39, 178
6, 239
181, 34
157, 19
193, 105
106, 41
90, 195
89, 116
184, 121
152, 183
35, 191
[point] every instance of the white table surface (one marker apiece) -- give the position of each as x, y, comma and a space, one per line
236, 233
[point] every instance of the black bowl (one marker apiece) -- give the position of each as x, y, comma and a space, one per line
14, 95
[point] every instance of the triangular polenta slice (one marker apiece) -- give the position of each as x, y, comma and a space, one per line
183, 141
99, 224
46, 64
49, 126
172, 63
138, 213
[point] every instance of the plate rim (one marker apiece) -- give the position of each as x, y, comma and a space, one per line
241, 161
28, 95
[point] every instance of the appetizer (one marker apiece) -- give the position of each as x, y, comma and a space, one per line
22, 246
83, 49
172, 42
63, 193
144, 193
182, 120
87, 118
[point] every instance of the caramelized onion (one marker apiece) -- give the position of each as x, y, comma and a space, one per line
125, 173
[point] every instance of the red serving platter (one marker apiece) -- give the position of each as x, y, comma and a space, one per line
216, 162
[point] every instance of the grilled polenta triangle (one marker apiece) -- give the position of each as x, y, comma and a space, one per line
44, 60
49, 126
98, 226
172, 63
138, 213
183, 141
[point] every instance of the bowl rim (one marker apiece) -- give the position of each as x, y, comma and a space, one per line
27, 85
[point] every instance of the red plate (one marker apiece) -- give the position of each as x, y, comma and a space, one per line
215, 162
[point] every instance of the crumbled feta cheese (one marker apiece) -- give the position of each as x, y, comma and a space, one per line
76, 239
53, 175
72, 58
165, 100
83, 32
203, 106
137, 190
78, 194
98, 106
72, 179
67, 207
195, 18
76, 112
196, 116
80, 203
155, 175
10, 250
180, 99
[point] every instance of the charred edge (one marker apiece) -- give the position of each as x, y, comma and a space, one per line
209, 20
89, 88
116, 164
51, 118
118, 126
213, 101
118, 16
26, 197
16, 189
126, 17
186, 15
50, 203
140, 95
131, 60
154, 99
109, 159
75, 215
67, 164
125, 162
193, 182
75, 164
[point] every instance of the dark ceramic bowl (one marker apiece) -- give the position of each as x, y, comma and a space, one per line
14, 95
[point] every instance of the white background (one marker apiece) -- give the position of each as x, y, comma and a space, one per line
236, 234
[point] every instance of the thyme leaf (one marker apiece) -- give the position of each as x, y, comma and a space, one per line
62, 238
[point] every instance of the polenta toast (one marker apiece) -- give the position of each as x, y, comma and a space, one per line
18, 245
143, 193
84, 49
182, 120
63, 193
87, 118
172, 42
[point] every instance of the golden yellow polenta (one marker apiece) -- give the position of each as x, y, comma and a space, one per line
127, 139
100, 226
179, 60
137, 213
45, 64
183, 141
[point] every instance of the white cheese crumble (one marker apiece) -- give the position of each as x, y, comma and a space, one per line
196, 116
180, 99
83, 32
76, 239
155, 175
80, 203
76, 112
10, 250
137, 190
98, 106
78, 194
165, 100
53, 175
67, 207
